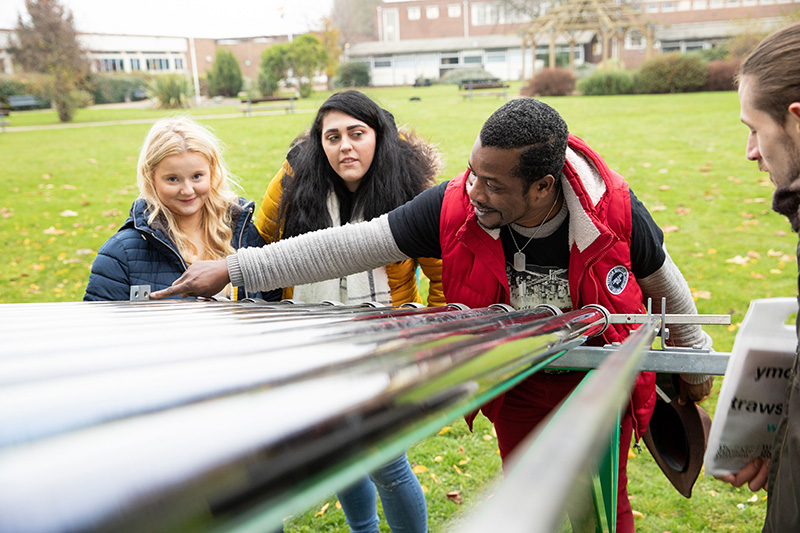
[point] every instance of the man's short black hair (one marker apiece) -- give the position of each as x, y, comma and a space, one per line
529, 123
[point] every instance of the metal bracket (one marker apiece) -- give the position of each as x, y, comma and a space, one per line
140, 293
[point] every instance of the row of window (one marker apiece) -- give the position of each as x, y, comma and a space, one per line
454, 59
494, 13
151, 64
482, 13
432, 12
699, 5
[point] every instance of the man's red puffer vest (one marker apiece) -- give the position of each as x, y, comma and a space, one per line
474, 267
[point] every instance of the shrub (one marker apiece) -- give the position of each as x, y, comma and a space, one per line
30, 83
458, 75
606, 82
115, 88
353, 74
671, 73
721, 75
225, 78
171, 91
550, 82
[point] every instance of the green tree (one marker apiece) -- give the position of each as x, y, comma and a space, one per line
225, 78
307, 56
48, 44
274, 65
330, 40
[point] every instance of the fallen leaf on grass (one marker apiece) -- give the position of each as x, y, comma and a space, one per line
322, 511
434, 478
460, 473
53, 231
338, 504
701, 295
420, 469
68, 213
454, 496
670, 229
487, 437
680, 211
438, 459
444, 430
637, 514
462, 462
664, 188
111, 213
738, 260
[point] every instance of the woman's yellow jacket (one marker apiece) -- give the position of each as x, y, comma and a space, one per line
402, 275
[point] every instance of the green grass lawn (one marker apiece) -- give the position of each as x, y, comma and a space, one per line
65, 191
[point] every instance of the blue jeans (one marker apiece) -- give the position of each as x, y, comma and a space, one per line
401, 495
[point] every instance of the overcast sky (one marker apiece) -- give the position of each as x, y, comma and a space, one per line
187, 18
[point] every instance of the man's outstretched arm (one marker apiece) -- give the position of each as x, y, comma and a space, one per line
316, 256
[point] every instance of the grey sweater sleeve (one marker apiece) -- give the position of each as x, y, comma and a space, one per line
669, 282
316, 256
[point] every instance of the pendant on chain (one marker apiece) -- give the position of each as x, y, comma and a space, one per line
519, 261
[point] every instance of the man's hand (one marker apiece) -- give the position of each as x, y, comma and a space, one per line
754, 474
695, 393
203, 278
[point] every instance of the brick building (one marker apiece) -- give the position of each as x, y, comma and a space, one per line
426, 38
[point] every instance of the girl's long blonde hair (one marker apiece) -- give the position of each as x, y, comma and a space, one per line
175, 136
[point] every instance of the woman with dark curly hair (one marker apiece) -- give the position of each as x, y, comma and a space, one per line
355, 165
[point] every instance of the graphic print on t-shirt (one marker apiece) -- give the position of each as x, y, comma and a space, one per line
538, 285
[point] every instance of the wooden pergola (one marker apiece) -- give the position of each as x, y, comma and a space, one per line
609, 19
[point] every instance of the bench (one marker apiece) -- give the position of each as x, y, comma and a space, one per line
4, 112
471, 86
23, 101
248, 109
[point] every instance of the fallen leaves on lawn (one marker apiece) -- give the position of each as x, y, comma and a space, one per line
444, 430
420, 469
454, 496
322, 511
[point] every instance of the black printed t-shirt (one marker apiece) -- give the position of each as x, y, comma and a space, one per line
415, 228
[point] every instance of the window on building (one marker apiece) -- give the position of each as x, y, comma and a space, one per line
699, 5
732, 3
485, 14
110, 65
749, 2
473, 60
383, 62
432, 12
448, 59
413, 13
453, 10
634, 40
404, 61
714, 4
157, 64
495, 56
391, 23
667, 7
178, 63
135, 64
652, 8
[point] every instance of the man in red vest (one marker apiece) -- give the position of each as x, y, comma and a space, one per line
537, 217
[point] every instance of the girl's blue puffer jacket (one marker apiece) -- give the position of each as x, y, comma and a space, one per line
140, 254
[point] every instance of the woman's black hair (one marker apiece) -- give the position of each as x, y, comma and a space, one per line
400, 170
